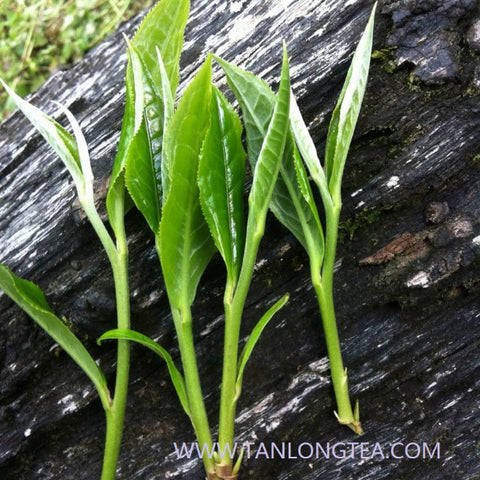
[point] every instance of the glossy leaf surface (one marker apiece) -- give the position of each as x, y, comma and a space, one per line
168, 110
175, 375
220, 179
347, 110
253, 339
162, 29
143, 158
257, 102
32, 300
184, 242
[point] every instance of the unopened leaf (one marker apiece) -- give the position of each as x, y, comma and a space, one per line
347, 110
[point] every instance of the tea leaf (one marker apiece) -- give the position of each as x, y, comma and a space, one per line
184, 242
311, 225
168, 110
132, 121
257, 102
270, 157
307, 147
84, 158
143, 158
253, 339
175, 375
163, 26
58, 138
220, 179
345, 114
166, 24
31, 299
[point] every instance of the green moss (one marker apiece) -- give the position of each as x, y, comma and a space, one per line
386, 58
348, 227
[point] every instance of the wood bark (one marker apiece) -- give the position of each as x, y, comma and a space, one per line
406, 286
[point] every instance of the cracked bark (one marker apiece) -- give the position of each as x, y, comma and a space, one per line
409, 326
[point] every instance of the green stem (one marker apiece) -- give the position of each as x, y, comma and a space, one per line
115, 416
183, 325
323, 285
235, 297
115, 413
229, 378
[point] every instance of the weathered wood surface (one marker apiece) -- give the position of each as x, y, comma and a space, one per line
408, 318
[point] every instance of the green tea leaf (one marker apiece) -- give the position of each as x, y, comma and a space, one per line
143, 156
271, 153
168, 111
310, 222
86, 197
345, 115
253, 339
132, 121
58, 138
184, 242
257, 102
221, 177
306, 146
175, 375
31, 299
162, 29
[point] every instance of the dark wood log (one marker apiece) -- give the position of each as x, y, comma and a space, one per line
408, 313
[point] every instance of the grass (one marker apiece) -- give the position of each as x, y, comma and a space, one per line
37, 37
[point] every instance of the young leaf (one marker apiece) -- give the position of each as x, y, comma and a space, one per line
166, 24
58, 138
184, 241
32, 300
253, 339
221, 176
307, 148
168, 110
163, 27
84, 158
132, 121
257, 102
143, 156
270, 157
345, 115
175, 375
